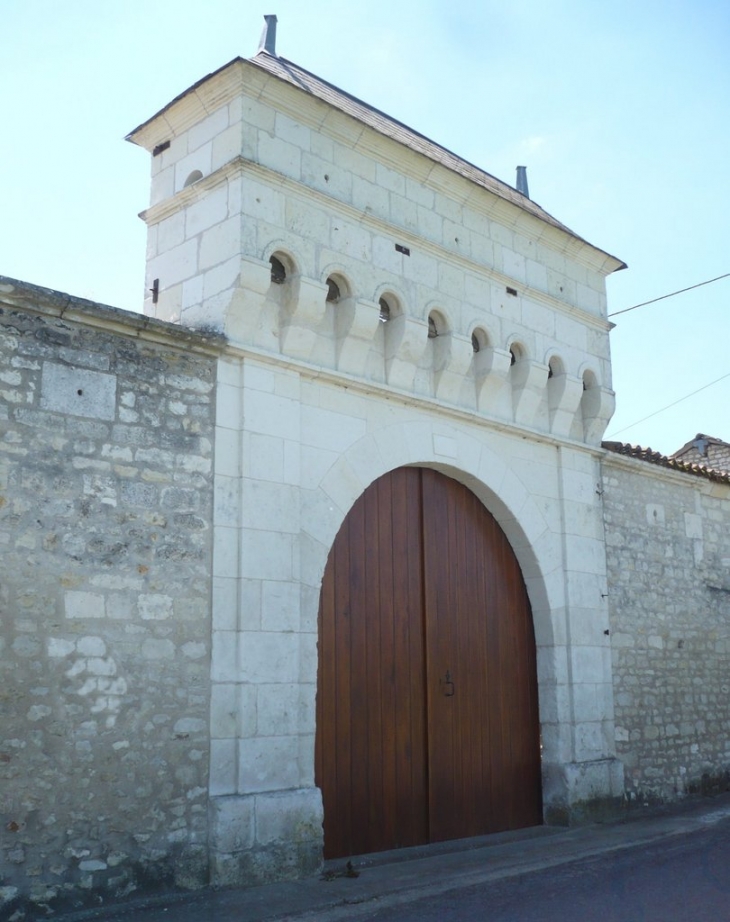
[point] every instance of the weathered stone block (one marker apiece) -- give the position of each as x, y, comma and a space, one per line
268, 763
289, 817
78, 392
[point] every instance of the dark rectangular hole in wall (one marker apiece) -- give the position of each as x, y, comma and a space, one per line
401, 249
160, 147
511, 291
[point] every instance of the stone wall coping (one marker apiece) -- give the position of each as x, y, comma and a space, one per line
19, 295
716, 483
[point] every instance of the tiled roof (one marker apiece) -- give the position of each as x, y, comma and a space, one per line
693, 447
655, 457
391, 128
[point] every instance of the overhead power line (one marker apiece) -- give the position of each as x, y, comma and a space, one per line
670, 295
669, 406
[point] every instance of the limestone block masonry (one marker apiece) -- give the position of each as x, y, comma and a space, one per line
331, 297
668, 565
106, 461
255, 168
385, 304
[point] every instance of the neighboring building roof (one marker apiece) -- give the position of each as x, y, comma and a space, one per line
389, 127
673, 463
706, 450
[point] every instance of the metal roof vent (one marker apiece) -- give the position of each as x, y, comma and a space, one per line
522, 181
268, 36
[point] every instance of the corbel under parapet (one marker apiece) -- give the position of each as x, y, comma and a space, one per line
599, 404
300, 316
356, 322
564, 395
245, 315
405, 343
528, 387
491, 370
455, 355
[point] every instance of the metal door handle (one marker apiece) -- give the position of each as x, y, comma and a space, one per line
448, 686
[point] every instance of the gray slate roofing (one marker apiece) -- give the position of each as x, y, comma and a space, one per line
389, 127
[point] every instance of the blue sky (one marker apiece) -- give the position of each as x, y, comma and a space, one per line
619, 111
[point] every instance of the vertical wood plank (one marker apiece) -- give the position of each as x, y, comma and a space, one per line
483, 748
421, 580
371, 761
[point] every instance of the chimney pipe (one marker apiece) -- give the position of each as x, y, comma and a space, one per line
522, 181
268, 36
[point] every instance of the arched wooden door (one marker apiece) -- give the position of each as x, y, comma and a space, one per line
427, 718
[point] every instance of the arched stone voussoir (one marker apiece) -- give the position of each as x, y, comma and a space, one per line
321, 517
547, 590
423, 443
511, 497
541, 614
392, 446
549, 549
342, 485
313, 557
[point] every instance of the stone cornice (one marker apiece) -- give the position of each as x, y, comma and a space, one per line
239, 166
243, 77
195, 103
170, 206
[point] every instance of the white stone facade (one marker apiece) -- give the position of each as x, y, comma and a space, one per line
169, 496
318, 397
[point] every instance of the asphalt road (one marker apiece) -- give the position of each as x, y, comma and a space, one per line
686, 879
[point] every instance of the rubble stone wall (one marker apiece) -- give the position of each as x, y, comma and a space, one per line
668, 567
106, 441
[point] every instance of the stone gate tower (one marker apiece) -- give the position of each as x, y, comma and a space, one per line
386, 304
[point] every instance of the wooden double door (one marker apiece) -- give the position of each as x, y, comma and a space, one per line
427, 716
